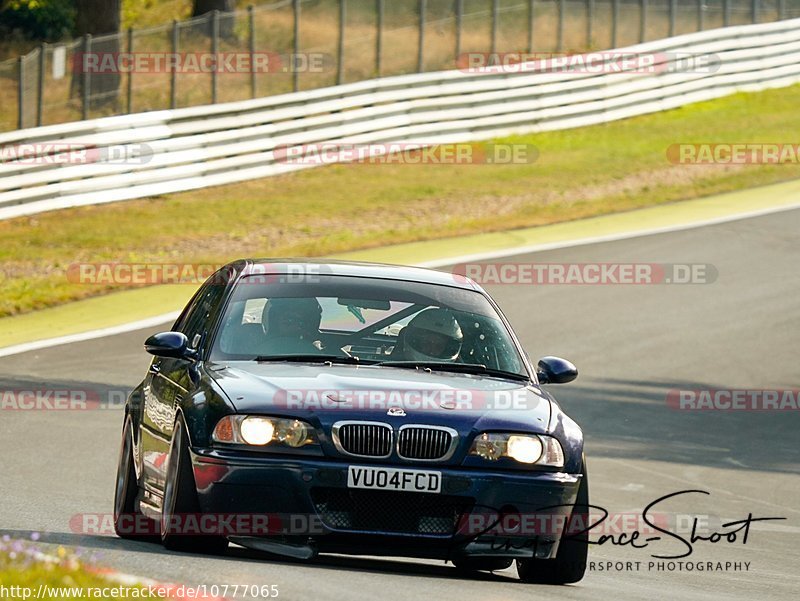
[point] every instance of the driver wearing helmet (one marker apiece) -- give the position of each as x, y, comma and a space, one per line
291, 325
432, 335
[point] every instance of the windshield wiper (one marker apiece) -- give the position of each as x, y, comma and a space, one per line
466, 368
342, 359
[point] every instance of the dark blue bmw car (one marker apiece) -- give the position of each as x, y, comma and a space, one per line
304, 408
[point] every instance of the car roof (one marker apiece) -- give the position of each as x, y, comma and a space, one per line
359, 269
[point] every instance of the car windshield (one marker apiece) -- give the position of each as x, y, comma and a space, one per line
365, 320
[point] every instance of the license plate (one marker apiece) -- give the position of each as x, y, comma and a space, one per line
387, 478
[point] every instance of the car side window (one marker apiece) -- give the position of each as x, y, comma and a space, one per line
194, 322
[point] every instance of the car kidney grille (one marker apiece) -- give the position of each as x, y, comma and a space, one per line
424, 443
366, 440
389, 511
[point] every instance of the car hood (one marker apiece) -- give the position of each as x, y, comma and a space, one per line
324, 394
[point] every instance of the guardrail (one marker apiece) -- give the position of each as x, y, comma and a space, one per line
220, 144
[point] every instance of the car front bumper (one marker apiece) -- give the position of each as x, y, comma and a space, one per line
307, 503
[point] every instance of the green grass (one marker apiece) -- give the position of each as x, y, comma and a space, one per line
23, 564
579, 173
125, 306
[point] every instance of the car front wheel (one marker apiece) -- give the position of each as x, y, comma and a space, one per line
569, 564
129, 522
180, 501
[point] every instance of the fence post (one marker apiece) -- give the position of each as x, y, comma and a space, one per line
214, 52
21, 93
173, 76
726, 13
340, 44
589, 23
530, 25
493, 42
129, 105
40, 99
560, 34
643, 22
614, 22
378, 36
423, 5
459, 17
296, 43
781, 10
754, 11
700, 16
251, 26
86, 77
672, 11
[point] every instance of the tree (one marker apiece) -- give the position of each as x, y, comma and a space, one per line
46, 20
202, 7
98, 18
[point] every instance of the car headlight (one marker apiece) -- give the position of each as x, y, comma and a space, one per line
523, 448
293, 433
257, 430
263, 431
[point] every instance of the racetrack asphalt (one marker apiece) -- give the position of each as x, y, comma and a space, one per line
632, 345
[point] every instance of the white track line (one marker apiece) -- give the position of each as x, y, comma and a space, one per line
506, 252
90, 335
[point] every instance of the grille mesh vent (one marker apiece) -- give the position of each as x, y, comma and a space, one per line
424, 443
390, 512
366, 440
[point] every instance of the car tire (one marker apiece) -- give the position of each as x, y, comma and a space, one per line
570, 563
129, 522
180, 498
482, 564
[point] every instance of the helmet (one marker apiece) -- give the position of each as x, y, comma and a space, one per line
289, 317
433, 335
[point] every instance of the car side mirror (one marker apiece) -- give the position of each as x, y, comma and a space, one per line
554, 370
174, 345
